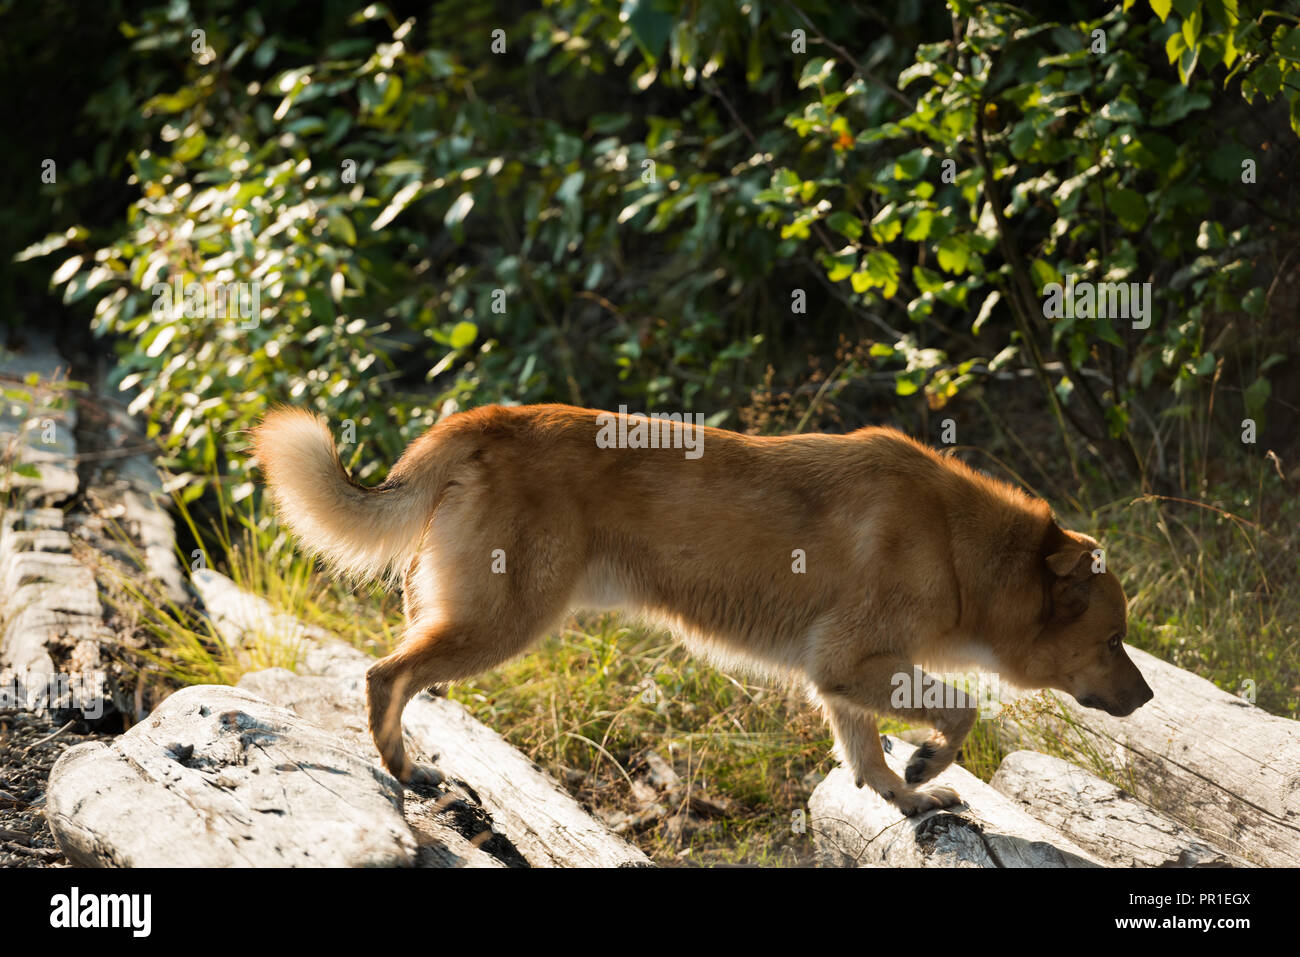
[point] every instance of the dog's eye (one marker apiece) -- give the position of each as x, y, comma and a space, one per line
1114, 642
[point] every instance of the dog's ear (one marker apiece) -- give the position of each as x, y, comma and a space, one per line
1073, 561
1070, 562
1069, 554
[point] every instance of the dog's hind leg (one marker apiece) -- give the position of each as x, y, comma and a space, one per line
431, 654
491, 619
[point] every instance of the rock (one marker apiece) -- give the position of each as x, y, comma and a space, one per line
853, 826
659, 774
217, 777
1099, 817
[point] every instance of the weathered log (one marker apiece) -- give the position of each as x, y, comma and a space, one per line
217, 777
548, 826
51, 611
1209, 760
238, 615
129, 492
1101, 818
854, 826
541, 820
38, 433
450, 827
537, 816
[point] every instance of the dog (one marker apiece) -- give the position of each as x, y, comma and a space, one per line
838, 561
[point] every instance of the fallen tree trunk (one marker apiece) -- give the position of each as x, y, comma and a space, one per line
543, 821
216, 777
1209, 760
1100, 817
854, 826
238, 616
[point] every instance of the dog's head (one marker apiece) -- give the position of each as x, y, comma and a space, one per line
1080, 649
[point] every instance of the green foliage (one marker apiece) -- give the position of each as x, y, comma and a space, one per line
601, 203
1039, 152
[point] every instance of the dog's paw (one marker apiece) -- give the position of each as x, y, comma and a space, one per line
922, 765
918, 802
422, 775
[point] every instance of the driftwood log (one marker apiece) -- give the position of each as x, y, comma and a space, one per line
1103, 819
540, 819
52, 618
217, 777
1209, 760
855, 826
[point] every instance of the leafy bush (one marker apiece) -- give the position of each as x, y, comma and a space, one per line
599, 203
1043, 153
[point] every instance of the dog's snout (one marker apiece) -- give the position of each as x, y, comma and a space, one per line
1122, 706
1133, 702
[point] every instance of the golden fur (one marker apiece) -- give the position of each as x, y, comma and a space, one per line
501, 520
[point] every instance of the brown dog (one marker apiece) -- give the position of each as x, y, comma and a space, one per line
842, 561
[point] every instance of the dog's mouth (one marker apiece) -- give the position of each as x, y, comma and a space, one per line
1113, 708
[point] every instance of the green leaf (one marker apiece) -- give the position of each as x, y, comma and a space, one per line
1288, 45
51, 243
927, 280
463, 334
884, 270
907, 383
1256, 396
66, 271
918, 225
190, 148
401, 199
842, 264
954, 254
650, 24
1043, 273
1023, 137
911, 164
986, 310
845, 224
1129, 207
459, 209
1192, 27
886, 225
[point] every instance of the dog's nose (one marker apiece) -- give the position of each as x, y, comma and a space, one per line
1136, 701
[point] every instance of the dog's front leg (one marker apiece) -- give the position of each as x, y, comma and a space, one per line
888, 685
857, 739
951, 726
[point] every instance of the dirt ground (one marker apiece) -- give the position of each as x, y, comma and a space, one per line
29, 746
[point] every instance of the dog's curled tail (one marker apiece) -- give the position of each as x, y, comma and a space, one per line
363, 533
